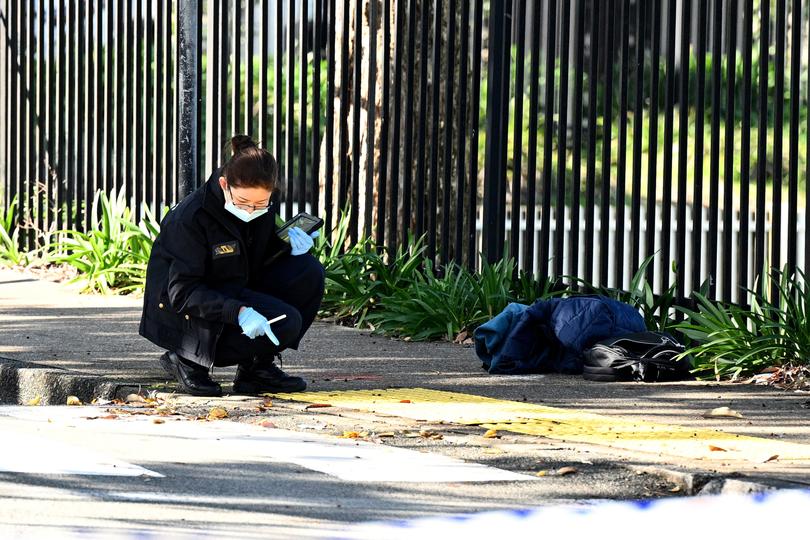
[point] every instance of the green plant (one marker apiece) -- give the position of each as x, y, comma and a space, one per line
9, 236
112, 257
733, 341
431, 307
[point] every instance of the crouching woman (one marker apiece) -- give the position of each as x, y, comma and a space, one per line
218, 275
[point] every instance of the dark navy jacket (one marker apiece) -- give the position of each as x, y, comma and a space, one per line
550, 335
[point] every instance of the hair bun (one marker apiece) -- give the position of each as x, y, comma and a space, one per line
240, 143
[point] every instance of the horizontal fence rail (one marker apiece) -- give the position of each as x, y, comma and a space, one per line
577, 137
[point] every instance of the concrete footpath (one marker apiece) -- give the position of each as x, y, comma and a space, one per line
55, 342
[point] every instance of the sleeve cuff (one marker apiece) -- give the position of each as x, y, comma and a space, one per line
231, 311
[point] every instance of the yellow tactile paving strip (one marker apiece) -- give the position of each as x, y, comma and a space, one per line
559, 424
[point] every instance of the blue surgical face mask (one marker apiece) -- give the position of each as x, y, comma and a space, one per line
244, 215
241, 213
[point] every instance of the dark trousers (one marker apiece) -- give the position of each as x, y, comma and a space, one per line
292, 286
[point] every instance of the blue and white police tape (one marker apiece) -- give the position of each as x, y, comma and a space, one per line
777, 514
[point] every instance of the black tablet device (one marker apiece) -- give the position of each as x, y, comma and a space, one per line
306, 222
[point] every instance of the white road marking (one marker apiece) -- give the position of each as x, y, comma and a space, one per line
347, 459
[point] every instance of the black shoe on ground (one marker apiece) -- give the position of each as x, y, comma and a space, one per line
191, 378
259, 376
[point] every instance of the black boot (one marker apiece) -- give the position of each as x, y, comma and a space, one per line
191, 378
258, 376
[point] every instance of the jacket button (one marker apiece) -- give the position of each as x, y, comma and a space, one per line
160, 305
187, 317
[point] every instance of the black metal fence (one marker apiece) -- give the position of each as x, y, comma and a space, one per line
578, 137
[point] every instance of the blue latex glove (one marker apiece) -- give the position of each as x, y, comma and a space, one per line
255, 324
300, 241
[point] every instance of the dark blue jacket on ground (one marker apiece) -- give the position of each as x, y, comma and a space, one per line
550, 335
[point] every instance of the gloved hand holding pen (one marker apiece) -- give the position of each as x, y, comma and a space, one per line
255, 324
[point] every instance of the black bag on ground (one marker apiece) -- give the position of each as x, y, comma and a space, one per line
641, 356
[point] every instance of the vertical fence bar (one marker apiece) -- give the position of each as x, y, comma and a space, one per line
448, 133
433, 189
170, 181
382, 184
70, 84
638, 132
652, 171
669, 107
32, 151
421, 166
264, 50
461, 133
100, 77
212, 86
52, 114
408, 143
728, 181
128, 104
110, 82
137, 107
683, 153
779, 104
393, 219
590, 175
277, 90
793, 152
249, 35
316, 105
41, 118
745, 152
607, 122
223, 135
531, 158
148, 39
562, 139
576, 176
618, 242
700, 112
496, 130
517, 137
371, 118
472, 208
714, 158
236, 73
302, 112
548, 134
188, 65
87, 139
330, 119
357, 61
14, 103
289, 154
158, 132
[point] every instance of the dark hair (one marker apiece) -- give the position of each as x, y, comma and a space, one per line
249, 165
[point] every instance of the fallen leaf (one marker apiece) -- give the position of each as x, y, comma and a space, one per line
772, 458
158, 421
722, 412
267, 424
541, 473
109, 417
430, 435
135, 398
565, 471
714, 448
386, 434
73, 400
34, 402
267, 403
491, 434
217, 413
350, 435
404, 400
493, 451
461, 336
317, 405
675, 489
412, 435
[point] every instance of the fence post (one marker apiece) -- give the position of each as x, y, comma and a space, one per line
497, 126
188, 68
